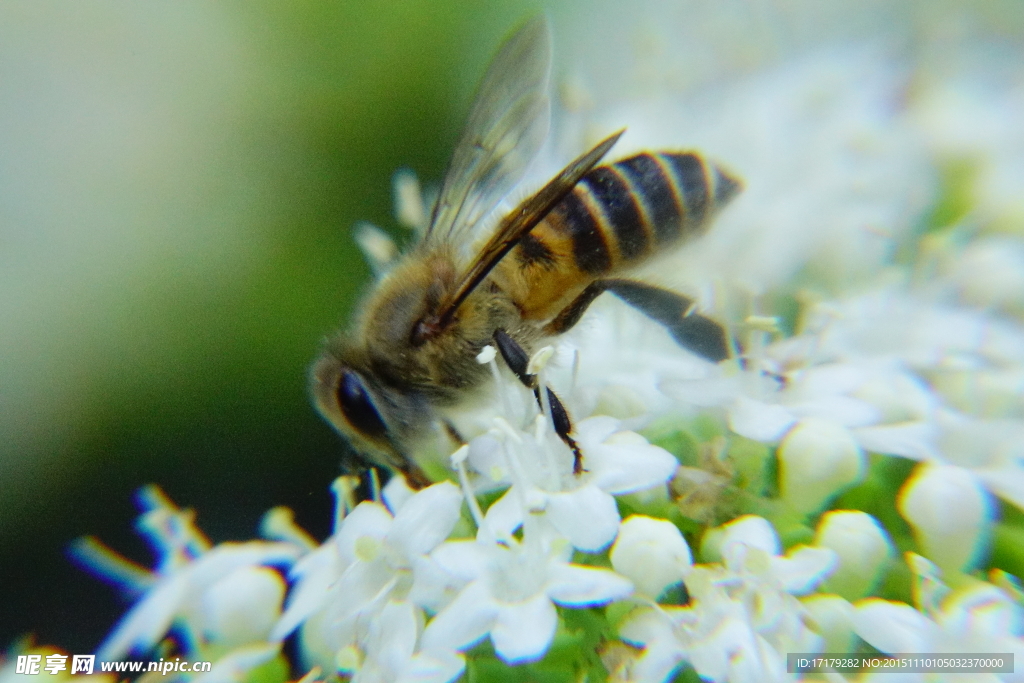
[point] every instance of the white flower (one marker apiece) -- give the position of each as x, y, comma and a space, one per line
217, 594
177, 597
862, 546
978, 618
832, 617
243, 606
582, 506
371, 558
715, 636
990, 448
651, 553
390, 650
990, 451
743, 617
928, 337
788, 383
993, 450
750, 547
510, 594
948, 500
817, 459
591, 371
951, 513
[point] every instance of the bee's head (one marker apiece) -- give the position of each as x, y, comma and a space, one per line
371, 415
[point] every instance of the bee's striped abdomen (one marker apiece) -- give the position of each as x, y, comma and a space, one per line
616, 217
623, 212
577, 218
619, 208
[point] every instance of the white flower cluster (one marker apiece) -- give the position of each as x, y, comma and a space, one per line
404, 588
877, 406
359, 601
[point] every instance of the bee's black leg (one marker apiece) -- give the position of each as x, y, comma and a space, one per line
692, 331
571, 314
563, 426
517, 361
515, 357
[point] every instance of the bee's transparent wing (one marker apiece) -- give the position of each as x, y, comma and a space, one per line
506, 128
509, 232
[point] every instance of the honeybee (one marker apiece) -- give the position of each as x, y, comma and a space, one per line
412, 349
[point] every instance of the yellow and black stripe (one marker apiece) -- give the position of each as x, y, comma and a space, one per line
619, 214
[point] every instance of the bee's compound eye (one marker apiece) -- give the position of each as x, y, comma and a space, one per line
359, 410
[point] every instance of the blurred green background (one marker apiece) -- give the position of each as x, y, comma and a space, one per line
178, 183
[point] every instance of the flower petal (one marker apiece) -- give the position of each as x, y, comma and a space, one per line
651, 552
523, 630
433, 667
982, 610
803, 568
832, 617
396, 492
362, 584
596, 429
243, 606
630, 464
646, 625
464, 621
844, 410
818, 459
763, 664
1005, 482
951, 512
432, 586
487, 458
893, 626
393, 636
713, 390
730, 644
759, 421
863, 547
576, 586
505, 515
314, 575
658, 661
147, 622
588, 517
227, 557
426, 519
750, 530
465, 560
831, 379
907, 439
366, 519
621, 461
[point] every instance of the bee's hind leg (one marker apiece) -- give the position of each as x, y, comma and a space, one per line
693, 331
518, 362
